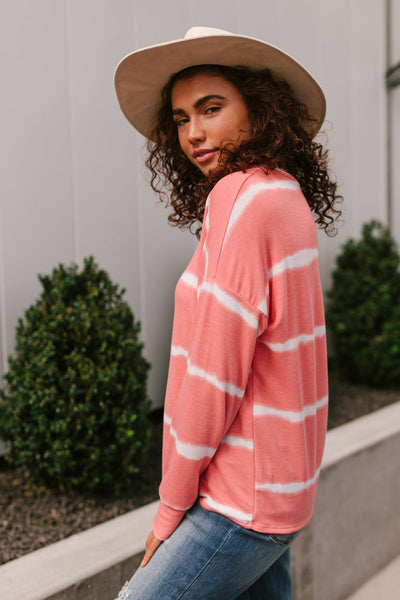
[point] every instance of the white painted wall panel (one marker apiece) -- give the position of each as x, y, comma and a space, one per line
354, 51
72, 177
106, 216
395, 170
394, 58
35, 166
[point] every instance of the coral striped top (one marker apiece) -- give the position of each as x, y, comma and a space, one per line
247, 395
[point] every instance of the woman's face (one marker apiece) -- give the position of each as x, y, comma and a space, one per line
209, 113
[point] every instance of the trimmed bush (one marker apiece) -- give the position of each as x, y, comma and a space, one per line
363, 311
75, 410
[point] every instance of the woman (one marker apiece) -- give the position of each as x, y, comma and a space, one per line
246, 401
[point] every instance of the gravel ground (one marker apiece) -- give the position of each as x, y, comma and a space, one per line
32, 516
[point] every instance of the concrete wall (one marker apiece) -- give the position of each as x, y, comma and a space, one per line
354, 531
71, 176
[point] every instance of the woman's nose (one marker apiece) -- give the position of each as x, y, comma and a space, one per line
196, 131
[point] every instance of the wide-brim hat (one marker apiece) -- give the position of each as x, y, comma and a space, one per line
141, 76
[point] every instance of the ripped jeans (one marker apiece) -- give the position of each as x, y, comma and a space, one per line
209, 557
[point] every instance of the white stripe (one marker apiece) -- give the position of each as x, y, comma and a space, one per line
263, 306
303, 258
190, 279
190, 451
179, 351
289, 488
244, 199
230, 303
293, 343
228, 511
235, 440
290, 415
207, 220
224, 386
174, 507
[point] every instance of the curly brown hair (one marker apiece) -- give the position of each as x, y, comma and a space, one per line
281, 137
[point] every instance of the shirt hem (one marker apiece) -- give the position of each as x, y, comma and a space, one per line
265, 527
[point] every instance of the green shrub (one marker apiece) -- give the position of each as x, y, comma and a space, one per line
75, 410
363, 311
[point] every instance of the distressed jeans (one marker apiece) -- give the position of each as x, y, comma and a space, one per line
209, 557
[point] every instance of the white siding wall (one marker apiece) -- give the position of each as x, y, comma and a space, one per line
72, 181
394, 103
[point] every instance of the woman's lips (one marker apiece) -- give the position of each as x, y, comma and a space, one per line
202, 156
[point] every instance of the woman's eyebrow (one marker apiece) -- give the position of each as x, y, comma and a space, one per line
205, 99
199, 103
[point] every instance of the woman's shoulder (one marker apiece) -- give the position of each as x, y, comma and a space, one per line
256, 205
238, 181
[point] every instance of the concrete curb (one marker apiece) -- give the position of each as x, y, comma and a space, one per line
385, 585
359, 495
78, 559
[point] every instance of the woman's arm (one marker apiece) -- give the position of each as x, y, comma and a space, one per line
217, 363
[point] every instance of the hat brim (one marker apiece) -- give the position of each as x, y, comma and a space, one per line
141, 76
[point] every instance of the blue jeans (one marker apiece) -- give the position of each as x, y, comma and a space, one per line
209, 557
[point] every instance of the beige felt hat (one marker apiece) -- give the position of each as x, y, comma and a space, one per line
141, 75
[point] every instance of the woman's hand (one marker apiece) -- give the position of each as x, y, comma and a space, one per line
152, 544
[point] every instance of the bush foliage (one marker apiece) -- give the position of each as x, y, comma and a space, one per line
363, 311
75, 409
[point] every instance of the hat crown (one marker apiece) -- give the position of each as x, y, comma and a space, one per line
198, 32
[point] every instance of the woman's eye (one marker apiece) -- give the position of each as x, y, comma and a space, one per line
180, 122
212, 109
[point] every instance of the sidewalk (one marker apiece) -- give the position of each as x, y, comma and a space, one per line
385, 585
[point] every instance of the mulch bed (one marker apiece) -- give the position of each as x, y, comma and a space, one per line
32, 516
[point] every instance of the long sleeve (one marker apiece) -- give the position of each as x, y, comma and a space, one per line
217, 365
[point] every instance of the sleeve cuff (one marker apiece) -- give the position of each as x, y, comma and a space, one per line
166, 521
